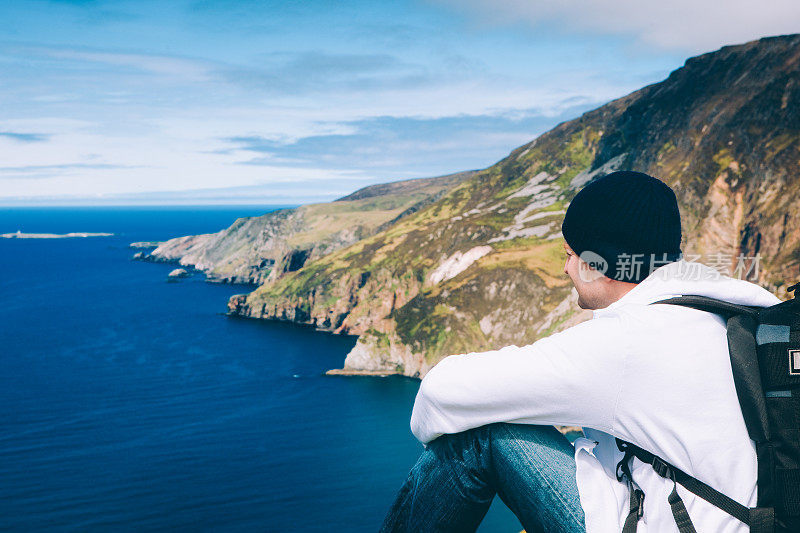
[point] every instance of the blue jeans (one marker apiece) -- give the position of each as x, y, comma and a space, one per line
452, 484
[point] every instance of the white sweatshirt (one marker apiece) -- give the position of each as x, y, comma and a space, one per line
658, 376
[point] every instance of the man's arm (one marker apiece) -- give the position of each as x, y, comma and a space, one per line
570, 378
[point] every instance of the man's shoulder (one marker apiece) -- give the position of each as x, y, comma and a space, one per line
635, 323
639, 314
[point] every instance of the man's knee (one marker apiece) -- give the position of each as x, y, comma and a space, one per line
539, 434
486, 434
471, 444
476, 445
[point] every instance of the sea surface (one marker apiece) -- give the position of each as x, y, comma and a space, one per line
131, 404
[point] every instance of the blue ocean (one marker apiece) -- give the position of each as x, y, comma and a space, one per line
131, 404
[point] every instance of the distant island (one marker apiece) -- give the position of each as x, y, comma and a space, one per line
20, 235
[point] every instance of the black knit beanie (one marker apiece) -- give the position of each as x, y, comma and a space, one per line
625, 224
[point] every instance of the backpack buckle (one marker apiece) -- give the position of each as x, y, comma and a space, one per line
639, 495
794, 288
662, 468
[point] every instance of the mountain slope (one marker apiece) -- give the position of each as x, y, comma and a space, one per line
259, 249
482, 266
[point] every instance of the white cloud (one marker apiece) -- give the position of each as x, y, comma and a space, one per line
132, 150
690, 25
169, 66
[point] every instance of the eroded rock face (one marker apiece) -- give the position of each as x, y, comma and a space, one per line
374, 354
457, 263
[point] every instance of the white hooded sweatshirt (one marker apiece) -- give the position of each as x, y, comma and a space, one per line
658, 376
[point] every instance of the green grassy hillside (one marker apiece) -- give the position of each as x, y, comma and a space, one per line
481, 267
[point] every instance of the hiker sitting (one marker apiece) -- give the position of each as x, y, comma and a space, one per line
655, 376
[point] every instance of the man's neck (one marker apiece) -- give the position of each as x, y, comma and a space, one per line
618, 289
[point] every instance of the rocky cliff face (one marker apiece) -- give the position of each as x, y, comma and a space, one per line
481, 267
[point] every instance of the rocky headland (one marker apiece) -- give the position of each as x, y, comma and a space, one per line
262, 249
426, 268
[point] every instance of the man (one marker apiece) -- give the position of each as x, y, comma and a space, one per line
658, 376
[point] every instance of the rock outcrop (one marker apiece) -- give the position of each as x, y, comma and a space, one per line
144, 244
178, 273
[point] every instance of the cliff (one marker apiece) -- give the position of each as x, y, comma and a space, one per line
481, 266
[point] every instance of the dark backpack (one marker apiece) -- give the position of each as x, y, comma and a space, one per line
764, 345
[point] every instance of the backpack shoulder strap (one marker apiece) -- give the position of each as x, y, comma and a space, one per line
712, 305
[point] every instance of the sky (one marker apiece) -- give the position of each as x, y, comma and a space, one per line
288, 102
